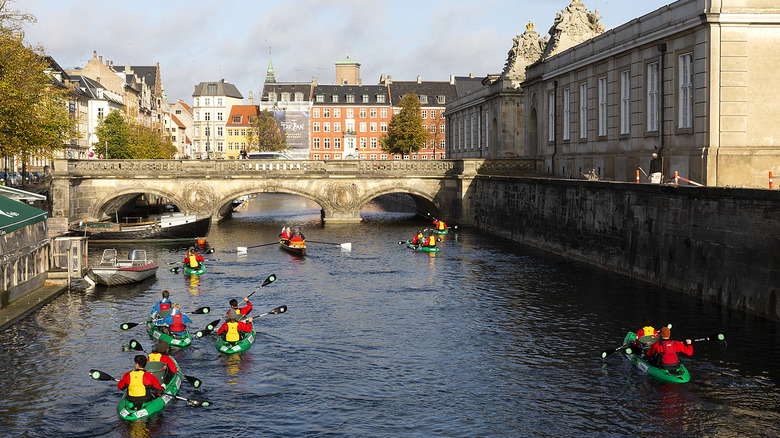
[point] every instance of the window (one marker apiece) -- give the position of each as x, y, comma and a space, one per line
219, 131
652, 97
362, 113
373, 143
272, 97
316, 143
327, 156
207, 116
320, 98
583, 110
212, 89
551, 117
316, 127
363, 126
373, 113
362, 142
350, 98
315, 112
383, 113
350, 126
334, 98
326, 127
230, 132
625, 102
178, 111
207, 131
285, 97
315, 157
243, 132
327, 143
196, 101
441, 129
440, 99
433, 129
100, 113
381, 98
206, 101
433, 114
299, 97
219, 101
602, 106
326, 113
337, 143
383, 127
423, 99
365, 98
197, 131
219, 116
336, 113
337, 127
566, 119
686, 92
373, 126
442, 143
372, 156
230, 145
350, 113
424, 114
236, 119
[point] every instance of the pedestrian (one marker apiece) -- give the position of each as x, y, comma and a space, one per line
656, 167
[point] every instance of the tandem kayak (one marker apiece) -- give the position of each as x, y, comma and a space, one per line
172, 340
441, 231
680, 375
420, 247
243, 344
296, 248
128, 411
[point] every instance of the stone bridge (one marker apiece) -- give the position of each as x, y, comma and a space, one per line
96, 189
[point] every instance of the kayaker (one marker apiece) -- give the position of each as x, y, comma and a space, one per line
297, 236
418, 239
430, 242
285, 234
176, 322
233, 329
440, 225
160, 354
139, 383
163, 305
234, 309
192, 258
663, 353
646, 330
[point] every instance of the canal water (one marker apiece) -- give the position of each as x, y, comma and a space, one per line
486, 338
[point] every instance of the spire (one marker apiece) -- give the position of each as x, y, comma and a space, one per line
269, 74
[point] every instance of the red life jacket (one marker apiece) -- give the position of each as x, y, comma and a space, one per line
296, 238
177, 325
165, 306
669, 355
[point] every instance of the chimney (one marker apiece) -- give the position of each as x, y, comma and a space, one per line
251, 98
94, 54
419, 79
100, 58
471, 75
314, 80
452, 79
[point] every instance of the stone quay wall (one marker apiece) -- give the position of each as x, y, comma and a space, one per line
719, 244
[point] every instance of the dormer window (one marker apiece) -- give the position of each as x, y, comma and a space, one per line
365, 98
350, 98
237, 119
423, 99
441, 99
285, 97
299, 97
320, 98
212, 89
381, 98
334, 98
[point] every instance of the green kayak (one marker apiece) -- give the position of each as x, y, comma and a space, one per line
172, 340
680, 375
420, 247
195, 271
242, 344
128, 411
441, 231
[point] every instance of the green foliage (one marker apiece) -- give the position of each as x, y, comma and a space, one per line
265, 135
406, 134
128, 140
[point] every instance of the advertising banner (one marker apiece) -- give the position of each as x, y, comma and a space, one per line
295, 124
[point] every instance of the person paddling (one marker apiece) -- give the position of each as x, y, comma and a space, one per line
285, 235
297, 236
418, 239
160, 354
239, 312
192, 258
647, 332
440, 225
663, 353
139, 383
233, 329
176, 322
162, 307
430, 242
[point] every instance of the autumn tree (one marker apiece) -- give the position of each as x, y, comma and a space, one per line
128, 140
34, 117
265, 134
406, 134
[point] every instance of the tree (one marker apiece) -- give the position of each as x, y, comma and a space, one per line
34, 116
265, 134
129, 140
406, 134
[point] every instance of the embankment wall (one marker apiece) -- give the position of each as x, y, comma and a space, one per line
720, 244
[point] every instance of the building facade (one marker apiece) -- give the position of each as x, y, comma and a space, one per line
238, 128
212, 103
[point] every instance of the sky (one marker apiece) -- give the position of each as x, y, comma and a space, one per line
205, 40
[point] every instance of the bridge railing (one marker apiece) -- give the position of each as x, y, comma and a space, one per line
174, 168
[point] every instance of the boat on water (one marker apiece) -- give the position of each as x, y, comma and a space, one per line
441, 231
173, 340
113, 271
634, 355
242, 344
409, 244
296, 248
189, 270
172, 384
174, 226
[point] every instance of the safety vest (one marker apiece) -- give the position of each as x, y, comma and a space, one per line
136, 388
669, 355
296, 238
232, 333
418, 239
648, 331
441, 226
165, 305
177, 325
193, 261
431, 241
155, 357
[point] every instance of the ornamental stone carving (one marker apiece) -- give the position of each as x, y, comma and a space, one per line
526, 50
573, 25
341, 195
197, 196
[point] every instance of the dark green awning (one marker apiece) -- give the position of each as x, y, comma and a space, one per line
15, 215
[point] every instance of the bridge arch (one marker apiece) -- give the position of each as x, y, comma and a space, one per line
423, 200
108, 206
223, 204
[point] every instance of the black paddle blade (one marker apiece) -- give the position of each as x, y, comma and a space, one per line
210, 251
271, 278
100, 375
135, 345
175, 270
202, 311
197, 403
209, 328
128, 325
194, 381
400, 242
278, 310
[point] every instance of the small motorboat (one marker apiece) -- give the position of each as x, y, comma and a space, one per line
112, 270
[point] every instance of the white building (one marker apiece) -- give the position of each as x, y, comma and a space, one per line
212, 102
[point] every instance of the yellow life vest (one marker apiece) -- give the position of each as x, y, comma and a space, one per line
232, 333
155, 357
440, 226
193, 261
431, 241
136, 388
648, 330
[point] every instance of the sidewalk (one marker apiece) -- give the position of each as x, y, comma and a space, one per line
32, 301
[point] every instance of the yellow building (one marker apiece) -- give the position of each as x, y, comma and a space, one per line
237, 130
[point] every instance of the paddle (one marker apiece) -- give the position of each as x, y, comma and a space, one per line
210, 328
244, 248
347, 245
271, 278
100, 375
716, 337
454, 227
606, 353
194, 381
198, 311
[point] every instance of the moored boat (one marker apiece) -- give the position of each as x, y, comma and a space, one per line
175, 226
679, 375
172, 340
128, 411
112, 271
420, 247
242, 344
297, 248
